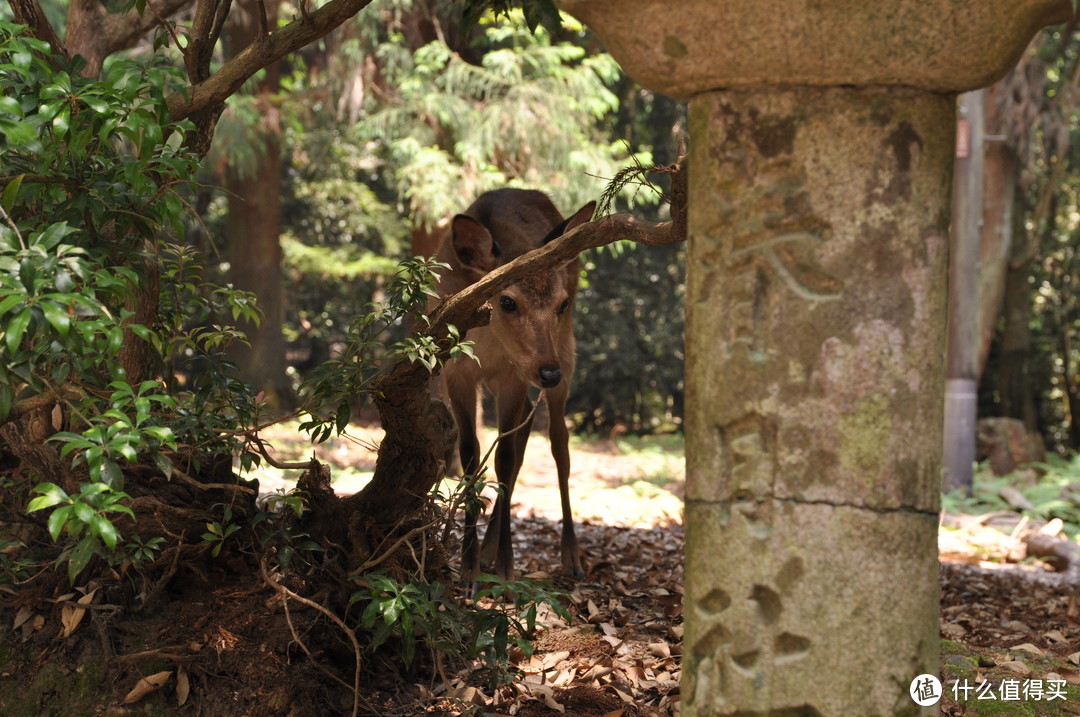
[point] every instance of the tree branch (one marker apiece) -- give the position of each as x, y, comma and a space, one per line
95, 33
227, 80
29, 12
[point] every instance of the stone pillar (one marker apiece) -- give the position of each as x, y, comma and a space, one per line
821, 141
815, 327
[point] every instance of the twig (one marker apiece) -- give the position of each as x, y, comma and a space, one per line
263, 31
161, 582
103, 606
459, 496
155, 653
185, 478
11, 222
286, 593
42, 400
164, 21
260, 446
371, 563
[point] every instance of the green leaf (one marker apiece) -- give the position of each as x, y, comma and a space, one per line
62, 122
10, 302
11, 192
57, 316
81, 555
15, 329
163, 464
51, 494
6, 398
52, 235
27, 273
104, 529
17, 133
11, 105
111, 473
116, 340
57, 520
97, 104
343, 415
83, 512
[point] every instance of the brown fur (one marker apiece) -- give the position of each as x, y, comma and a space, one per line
529, 342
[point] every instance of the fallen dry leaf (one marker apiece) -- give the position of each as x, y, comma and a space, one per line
1028, 647
71, 616
24, 614
1055, 636
146, 685
183, 687
1017, 666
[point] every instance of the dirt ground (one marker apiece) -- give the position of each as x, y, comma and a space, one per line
215, 639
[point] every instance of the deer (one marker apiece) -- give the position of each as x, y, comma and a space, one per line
528, 343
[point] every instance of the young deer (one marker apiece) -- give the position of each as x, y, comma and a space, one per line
528, 342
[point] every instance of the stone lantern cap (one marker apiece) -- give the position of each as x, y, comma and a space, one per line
686, 47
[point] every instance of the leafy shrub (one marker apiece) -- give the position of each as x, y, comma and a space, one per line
424, 614
92, 185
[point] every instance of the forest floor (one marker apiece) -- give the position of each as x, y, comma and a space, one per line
219, 641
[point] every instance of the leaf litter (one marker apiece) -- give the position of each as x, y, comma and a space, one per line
1006, 615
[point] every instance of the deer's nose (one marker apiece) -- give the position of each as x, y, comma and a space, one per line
550, 375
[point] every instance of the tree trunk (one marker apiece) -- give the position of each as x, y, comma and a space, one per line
999, 194
1014, 381
1069, 386
253, 229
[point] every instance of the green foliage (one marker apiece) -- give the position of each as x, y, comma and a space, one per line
140, 551
219, 530
458, 128
1055, 494
535, 12
83, 517
426, 614
353, 372
629, 325
114, 435
275, 526
93, 180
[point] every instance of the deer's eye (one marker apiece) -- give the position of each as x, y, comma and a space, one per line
507, 304
564, 306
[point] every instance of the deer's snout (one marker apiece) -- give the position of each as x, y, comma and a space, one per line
550, 375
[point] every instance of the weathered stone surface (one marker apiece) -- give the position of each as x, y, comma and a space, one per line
1007, 445
816, 296
821, 146
784, 599
694, 46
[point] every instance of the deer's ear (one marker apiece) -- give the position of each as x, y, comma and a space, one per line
581, 216
472, 242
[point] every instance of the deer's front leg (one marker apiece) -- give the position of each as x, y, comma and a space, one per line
560, 451
513, 407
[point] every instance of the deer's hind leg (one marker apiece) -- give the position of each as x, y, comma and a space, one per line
463, 398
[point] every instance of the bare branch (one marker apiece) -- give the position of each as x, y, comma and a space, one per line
463, 309
268, 49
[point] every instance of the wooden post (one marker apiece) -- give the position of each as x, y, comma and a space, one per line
962, 364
